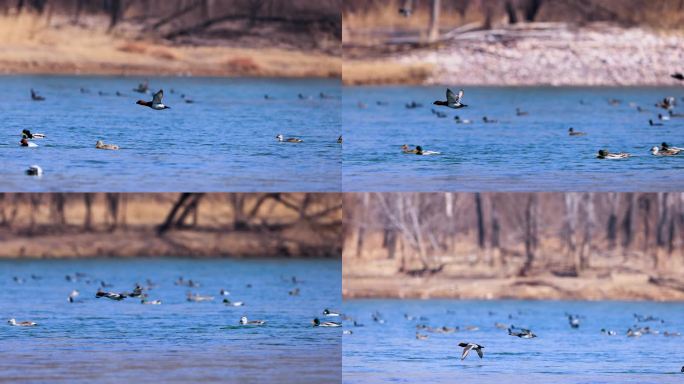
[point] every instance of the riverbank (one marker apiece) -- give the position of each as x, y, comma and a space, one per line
30, 45
532, 54
618, 286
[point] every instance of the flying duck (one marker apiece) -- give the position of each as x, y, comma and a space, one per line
467, 347
101, 145
110, 295
603, 154
452, 101
35, 96
34, 170
680, 77
317, 323
329, 313
233, 303
244, 321
27, 134
156, 102
281, 139
523, 334
574, 321
14, 323
572, 132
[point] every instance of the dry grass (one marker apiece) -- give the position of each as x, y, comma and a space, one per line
384, 72
30, 45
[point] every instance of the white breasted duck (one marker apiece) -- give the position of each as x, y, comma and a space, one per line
282, 139
233, 303
329, 313
27, 134
318, 323
467, 347
34, 170
101, 145
663, 117
224, 292
245, 321
72, 296
156, 102
452, 100
150, 302
608, 332
25, 143
35, 96
665, 150
14, 323
523, 334
604, 154
461, 121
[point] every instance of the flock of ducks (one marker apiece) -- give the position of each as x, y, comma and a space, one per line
141, 293
574, 322
455, 101
157, 104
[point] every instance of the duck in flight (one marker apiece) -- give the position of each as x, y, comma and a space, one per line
523, 334
110, 295
156, 102
452, 100
467, 347
35, 96
677, 75
604, 154
14, 323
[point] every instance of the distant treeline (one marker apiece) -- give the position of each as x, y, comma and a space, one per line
173, 18
516, 234
660, 13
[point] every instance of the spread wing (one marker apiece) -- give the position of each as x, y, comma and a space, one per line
460, 96
479, 352
466, 350
451, 97
157, 99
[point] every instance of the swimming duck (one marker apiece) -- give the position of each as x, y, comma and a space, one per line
25, 143
413, 105
655, 151
671, 334
233, 303
501, 325
244, 321
27, 134
150, 302
461, 121
34, 170
339, 140
197, 298
72, 296
672, 114
439, 114
572, 132
156, 102
281, 139
519, 112
574, 321
14, 323
35, 96
488, 120
317, 323
452, 100
467, 347
223, 292
633, 333
142, 87
523, 334
325, 96
303, 97
603, 154
679, 77
652, 124
347, 332
607, 332
663, 117
421, 152
329, 313
614, 102
667, 103
361, 105
405, 148
420, 336
110, 295
101, 145
381, 103
293, 292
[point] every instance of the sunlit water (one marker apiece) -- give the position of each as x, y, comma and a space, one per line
224, 141
390, 352
99, 340
519, 153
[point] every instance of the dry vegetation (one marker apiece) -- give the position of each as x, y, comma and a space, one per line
549, 245
211, 225
196, 37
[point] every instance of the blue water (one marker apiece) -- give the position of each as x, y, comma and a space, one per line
99, 340
384, 353
225, 141
526, 153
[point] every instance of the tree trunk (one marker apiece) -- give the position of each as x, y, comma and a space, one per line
433, 31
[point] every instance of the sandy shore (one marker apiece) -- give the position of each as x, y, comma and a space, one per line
619, 286
555, 54
29, 46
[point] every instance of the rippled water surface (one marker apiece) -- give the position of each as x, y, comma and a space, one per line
390, 352
224, 141
99, 340
519, 153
